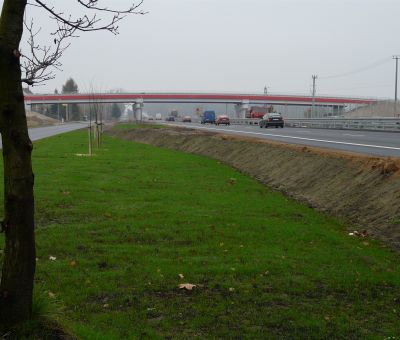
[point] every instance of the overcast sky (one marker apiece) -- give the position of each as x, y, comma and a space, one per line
239, 46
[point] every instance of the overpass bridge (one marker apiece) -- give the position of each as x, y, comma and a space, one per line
241, 101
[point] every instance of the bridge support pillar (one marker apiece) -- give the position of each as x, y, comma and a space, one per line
242, 108
337, 110
137, 109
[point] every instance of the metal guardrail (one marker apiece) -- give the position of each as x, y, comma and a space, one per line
244, 121
373, 124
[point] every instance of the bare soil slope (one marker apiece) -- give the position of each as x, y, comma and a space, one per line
364, 191
379, 110
36, 119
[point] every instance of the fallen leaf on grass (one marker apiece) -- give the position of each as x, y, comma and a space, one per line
186, 286
52, 258
232, 181
52, 295
72, 263
106, 305
231, 289
181, 276
363, 233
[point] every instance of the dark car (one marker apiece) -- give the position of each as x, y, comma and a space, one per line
223, 120
170, 119
272, 119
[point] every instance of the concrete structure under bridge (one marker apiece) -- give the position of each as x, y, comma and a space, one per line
242, 102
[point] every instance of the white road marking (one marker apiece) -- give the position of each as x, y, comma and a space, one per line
351, 135
301, 138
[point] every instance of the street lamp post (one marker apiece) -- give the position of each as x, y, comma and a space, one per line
266, 93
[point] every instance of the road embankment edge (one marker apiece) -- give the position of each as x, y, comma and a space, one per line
364, 191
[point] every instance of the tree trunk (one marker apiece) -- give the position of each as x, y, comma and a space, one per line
16, 286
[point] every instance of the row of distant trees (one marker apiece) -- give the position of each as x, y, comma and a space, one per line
76, 111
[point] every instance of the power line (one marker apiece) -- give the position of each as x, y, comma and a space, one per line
359, 70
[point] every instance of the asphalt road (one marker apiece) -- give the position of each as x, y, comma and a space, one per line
365, 142
48, 131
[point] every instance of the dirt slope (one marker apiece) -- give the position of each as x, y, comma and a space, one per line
363, 190
380, 110
36, 119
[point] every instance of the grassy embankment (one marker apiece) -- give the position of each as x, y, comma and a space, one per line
126, 224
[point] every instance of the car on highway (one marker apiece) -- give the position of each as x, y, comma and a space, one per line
170, 119
223, 119
187, 119
271, 119
208, 117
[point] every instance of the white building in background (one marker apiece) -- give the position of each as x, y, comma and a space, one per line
126, 113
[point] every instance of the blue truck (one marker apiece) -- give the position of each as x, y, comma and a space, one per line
208, 117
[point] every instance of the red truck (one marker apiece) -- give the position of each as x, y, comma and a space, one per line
259, 111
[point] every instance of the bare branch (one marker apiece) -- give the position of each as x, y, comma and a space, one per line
42, 60
38, 64
92, 4
88, 23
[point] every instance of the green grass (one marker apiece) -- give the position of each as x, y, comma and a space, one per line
130, 126
126, 222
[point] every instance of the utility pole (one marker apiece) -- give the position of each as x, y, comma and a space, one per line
396, 57
265, 93
314, 78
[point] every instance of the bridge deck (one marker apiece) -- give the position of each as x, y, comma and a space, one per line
193, 98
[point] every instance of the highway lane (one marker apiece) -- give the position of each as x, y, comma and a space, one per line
366, 142
48, 131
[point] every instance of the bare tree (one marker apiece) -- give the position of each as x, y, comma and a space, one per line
32, 67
